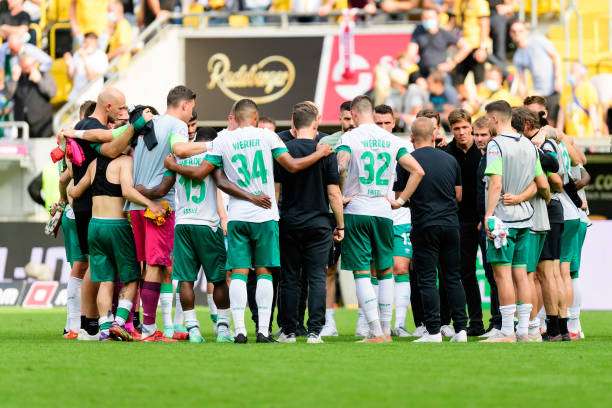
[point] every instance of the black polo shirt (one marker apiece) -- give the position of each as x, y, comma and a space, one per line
434, 202
286, 136
468, 162
305, 203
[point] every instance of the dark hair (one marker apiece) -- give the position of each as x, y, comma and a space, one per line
429, 113
501, 107
459, 115
362, 104
534, 99
484, 123
179, 94
91, 34
243, 108
436, 76
87, 109
383, 110
194, 116
522, 116
205, 134
303, 115
345, 106
267, 119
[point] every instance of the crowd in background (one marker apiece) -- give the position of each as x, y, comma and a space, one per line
462, 54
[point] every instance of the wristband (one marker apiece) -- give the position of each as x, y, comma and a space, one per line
340, 229
401, 201
78, 134
139, 123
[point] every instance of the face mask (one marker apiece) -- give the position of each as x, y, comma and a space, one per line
112, 18
492, 85
430, 25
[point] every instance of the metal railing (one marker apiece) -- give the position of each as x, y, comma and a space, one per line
14, 132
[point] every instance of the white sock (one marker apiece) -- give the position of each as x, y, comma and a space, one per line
573, 324
534, 326
507, 314
524, 310
191, 321
238, 301
223, 319
105, 321
165, 303
123, 311
73, 303
211, 306
178, 308
367, 300
329, 317
263, 296
402, 301
385, 302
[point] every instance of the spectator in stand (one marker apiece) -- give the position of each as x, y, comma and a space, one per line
128, 9
10, 53
536, 54
88, 65
579, 114
31, 94
15, 20
431, 43
602, 82
441, 96
369, 6
33, 8
472, 17
89, 16
417, 99
492, 89
267, 123
156, 9
502, 15
398, 6
120, 43
397, 94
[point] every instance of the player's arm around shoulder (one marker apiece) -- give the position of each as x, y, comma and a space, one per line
291, 164
77, 190
126, 164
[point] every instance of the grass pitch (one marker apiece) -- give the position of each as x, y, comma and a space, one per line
41, 369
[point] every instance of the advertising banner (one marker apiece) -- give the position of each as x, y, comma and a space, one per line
275, 72
599, 192
338, 85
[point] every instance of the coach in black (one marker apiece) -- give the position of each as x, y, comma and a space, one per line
435, 231
468, 155
305, 226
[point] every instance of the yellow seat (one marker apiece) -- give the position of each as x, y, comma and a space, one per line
59, 72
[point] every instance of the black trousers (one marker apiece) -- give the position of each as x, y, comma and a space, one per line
495, 320
431, 246
416, 304
304, 253
469, 237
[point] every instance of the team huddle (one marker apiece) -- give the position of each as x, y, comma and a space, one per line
148, 203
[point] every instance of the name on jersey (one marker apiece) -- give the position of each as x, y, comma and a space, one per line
191, 161
245, 144
376, 143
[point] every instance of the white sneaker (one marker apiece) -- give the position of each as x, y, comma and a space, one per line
84, 336
329, 331
447, 330
314, 339
500, 337
490, 333
420, 331
286, 338
363, 329
460, 337
429, 338
401, 332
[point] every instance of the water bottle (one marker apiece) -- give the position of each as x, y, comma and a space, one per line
177, 11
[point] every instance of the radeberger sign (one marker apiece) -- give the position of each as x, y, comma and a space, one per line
275, 72
275, 82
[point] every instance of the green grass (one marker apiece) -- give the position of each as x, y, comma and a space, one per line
41, 369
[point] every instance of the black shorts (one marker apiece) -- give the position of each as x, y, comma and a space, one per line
82, 218
334, 254
551, 251
467, 65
